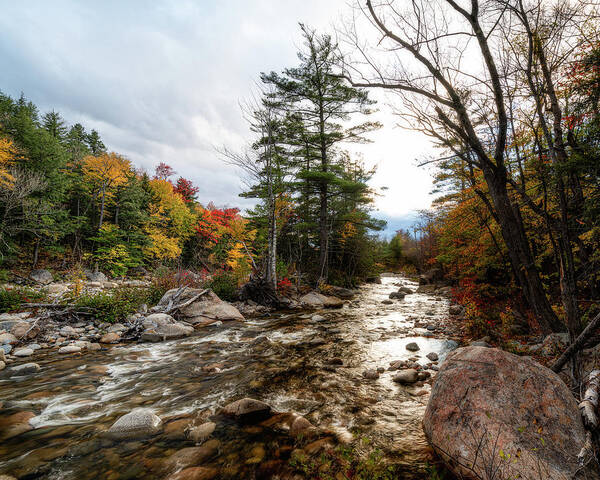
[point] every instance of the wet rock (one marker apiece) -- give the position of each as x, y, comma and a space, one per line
247, 409
318, 300
487, 403
387, 302
15, 424
111, 337
371, 374
423, 375
376, 280
23, 352
193, 455
2, 365
160, 327
96, 277
69, 349
455, 310
208, 307
406, 376
93, 347
201, 433
41, 276
397, 295
117, 327
317, 318
412, 347
426, 289
432, 356
343, 293
406, 290
25, 368
176, 429
300, 426
139, 423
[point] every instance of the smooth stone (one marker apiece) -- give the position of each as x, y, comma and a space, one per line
25, 368
8, 339
201, 433
412, 347
433, 356
247, 408
371, 374
406, 376
139, 423
111, 337
69, 349
23, 352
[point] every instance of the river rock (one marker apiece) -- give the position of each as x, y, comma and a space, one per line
371, 374
23, 352
25, 330
160, 327
15, 424
139, 423
490, 404
407, 376
247, 409
2, 365
455, 310
195, 473
397, 295
426, 289
412, 347
8, 339
6, 348
433, 356
25, 368
68, 332
206, 309
318, 300
406, 290
69, 349
111, 337
41, 276
189, 456
300, 426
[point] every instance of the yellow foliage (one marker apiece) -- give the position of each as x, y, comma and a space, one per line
7, 153
106, 171
161, 246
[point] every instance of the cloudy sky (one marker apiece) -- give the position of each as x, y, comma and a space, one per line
162, 81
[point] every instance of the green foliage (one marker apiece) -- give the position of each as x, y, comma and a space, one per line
112, 253
115, 305
12, 298
225, 285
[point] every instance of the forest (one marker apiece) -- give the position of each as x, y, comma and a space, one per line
278, 319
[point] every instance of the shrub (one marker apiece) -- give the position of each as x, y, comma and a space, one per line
114, 306
12, 298
225, 285
165, 280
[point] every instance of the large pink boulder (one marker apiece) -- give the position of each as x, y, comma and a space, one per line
492, 414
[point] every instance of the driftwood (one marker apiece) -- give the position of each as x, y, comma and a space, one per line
589, 414
171, 308
577, 345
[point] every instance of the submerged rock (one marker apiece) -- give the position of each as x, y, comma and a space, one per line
202, 432
138, 423
160, 327
490, 404
25, 368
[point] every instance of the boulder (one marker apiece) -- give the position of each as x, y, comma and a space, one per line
96, 277
247, 409
160, 327
318, 300
25, 330
489, 407
343, 293
426, 289
208, 308
397, 295
412, 347
410, 375
406, 290
371, 374
455, 310
432, 356
43, 277
139, 423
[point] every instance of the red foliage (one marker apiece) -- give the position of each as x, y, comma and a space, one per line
284, 285
186, 189
211, 224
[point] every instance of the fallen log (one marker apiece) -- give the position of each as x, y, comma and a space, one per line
577, 344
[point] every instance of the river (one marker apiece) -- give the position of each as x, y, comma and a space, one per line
292, 361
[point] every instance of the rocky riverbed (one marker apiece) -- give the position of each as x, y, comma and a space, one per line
328, 377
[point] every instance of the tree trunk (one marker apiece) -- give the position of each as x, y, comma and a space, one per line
513, 233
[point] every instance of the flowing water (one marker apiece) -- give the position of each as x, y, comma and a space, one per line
288, 360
